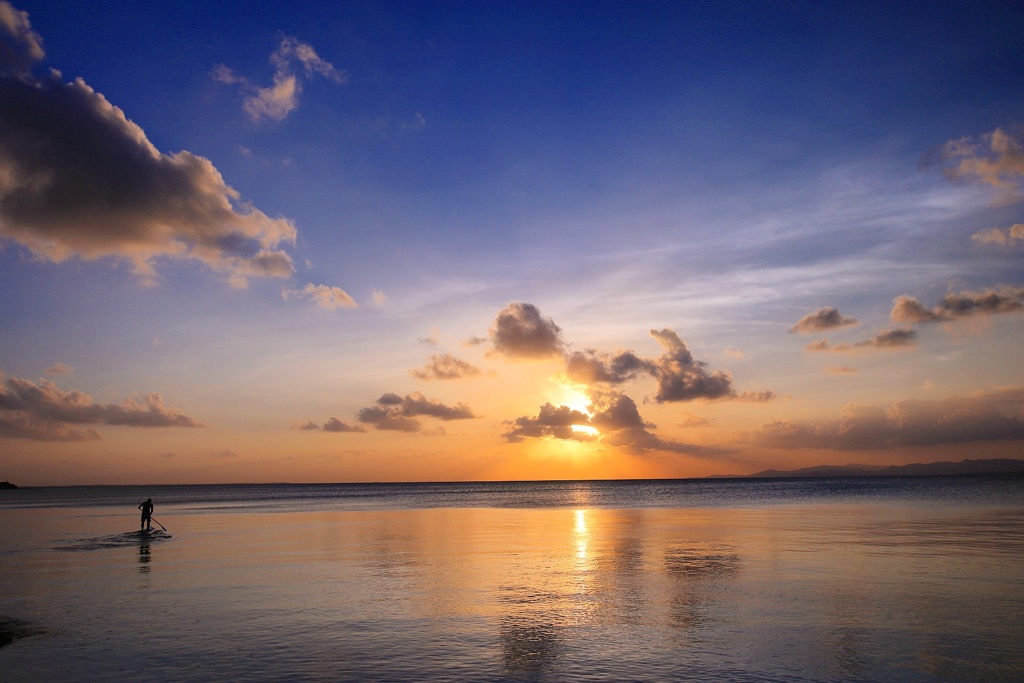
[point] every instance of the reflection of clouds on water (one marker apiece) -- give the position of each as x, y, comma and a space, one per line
529, 628
699, 569
702, 561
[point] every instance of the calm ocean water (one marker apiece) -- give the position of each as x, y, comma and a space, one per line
874, 579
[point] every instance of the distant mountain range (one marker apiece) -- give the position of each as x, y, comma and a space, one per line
931, 469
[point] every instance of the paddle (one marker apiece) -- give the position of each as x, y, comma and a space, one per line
158, 524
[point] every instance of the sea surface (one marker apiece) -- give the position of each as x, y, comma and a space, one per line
845, 579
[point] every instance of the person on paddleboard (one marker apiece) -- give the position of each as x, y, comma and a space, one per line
147, 514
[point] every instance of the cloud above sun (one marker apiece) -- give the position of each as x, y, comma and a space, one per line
78, 179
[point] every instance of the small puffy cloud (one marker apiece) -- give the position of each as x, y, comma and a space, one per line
333, 424
885, 340
521, 332
1010, 236
398, 413
995, 158
681, 377
378, 298
444, 367
953, 306
43, 412
225, 454
294, 63
996, 416
591, 367
79, 179
21, 48
326, 297
840, 370
551, 421
822, 319
59, 369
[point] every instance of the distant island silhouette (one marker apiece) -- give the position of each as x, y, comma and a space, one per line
931, 469
7, 485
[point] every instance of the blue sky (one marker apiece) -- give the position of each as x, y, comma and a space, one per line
335, 197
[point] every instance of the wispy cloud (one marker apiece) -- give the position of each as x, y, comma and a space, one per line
294, 63
907, 423
327, 297
995, 158
886, 340
79, 179
445, 367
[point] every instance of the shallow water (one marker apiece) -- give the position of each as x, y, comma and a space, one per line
907, 583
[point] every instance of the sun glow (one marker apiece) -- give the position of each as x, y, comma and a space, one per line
585, 429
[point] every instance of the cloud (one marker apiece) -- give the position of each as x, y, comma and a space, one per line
551, 421
840, 370
1000, 236
681, 377
953, 306
756, 396
996, 416
397, 413
591, 367
43, 412
445, 367
325, 296
333, 424
294, 63
822, 319
59, 369
521, 332
79, 179
995, 158
615, 417
21, 48
885, 340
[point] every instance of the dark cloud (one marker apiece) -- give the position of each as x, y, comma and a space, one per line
397, 413
521, 332
996, 416
44, 412
886, 339
445, 367
681, 377
591, 367
615, 417
953, 306
822, 319
551, 421
78, 179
